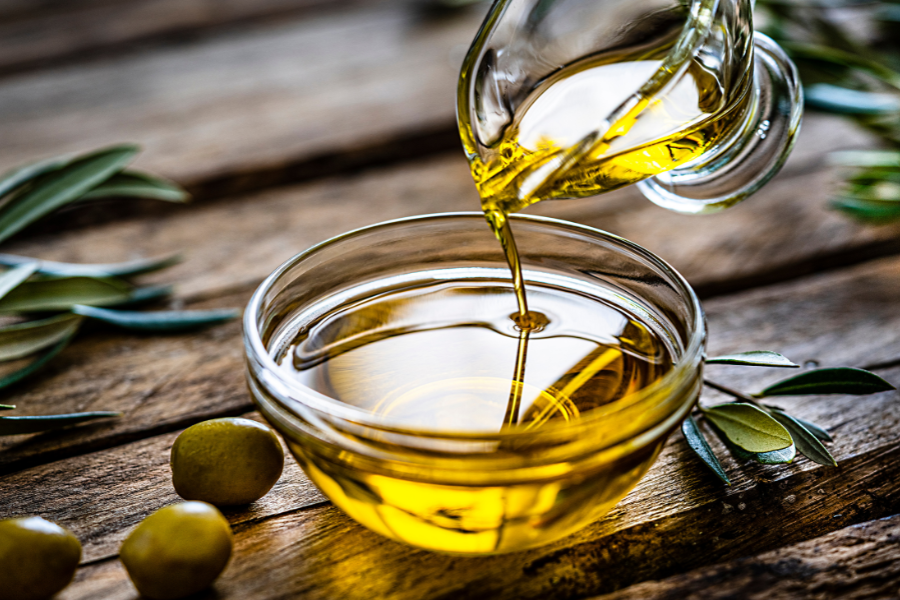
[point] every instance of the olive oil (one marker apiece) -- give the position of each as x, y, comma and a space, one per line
437, 355
587, 130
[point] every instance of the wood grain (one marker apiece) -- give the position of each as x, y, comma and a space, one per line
245, 101
855, 562
37, 34
665, 517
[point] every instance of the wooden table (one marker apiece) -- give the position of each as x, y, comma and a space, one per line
292, 121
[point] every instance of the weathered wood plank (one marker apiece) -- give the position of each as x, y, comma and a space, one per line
241, 102
167, 383
39, 34
677, 496
855, 562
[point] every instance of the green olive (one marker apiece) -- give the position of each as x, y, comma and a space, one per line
226, 462
37, 558
177, 551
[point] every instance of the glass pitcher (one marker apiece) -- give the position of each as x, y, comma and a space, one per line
571, 98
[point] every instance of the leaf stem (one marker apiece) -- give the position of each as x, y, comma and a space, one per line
734, 393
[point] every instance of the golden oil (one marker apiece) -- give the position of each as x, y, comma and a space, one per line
585, 130
440, 356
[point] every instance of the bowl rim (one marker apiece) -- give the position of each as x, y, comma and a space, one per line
673, 381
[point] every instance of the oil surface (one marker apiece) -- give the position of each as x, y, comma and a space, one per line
443, 356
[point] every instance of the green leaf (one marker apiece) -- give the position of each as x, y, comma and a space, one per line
842, 57
878, 192
132, 184
35, 365
866, 158
836, 99
887, 12
808, 444
60, 187
122, 269
841, 380
867, 210
698, 444
11, 180
816, 430
65, 292
776, 457
7, 406
874, 175
145, 294
165, 320
749, 427
24, 339
753, 358
15, 277
22, 425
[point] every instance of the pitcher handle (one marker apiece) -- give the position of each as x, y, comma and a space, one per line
757, 152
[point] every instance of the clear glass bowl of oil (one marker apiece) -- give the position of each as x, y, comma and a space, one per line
386, 358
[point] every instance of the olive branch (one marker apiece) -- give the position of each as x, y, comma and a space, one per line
765, 433
49, 302
859, 78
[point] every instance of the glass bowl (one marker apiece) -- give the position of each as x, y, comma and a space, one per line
465, 492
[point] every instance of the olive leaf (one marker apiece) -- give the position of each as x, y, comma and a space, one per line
16, 276
884, 192
65, 292
748, 427
753, 358
24, 339
867, 210
808, 444
836, 99
775, 457
58, 188
840, 380
146, 294
122, 269
160, 321
35, 365
131, 184
816, 430
865, 158
698, 444
14, 179
22, 425
837, 56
